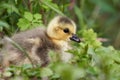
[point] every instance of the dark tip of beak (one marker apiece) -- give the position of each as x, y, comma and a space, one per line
75, 38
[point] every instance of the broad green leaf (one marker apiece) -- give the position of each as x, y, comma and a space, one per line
37, 16
23, 24
46, 72
28, 16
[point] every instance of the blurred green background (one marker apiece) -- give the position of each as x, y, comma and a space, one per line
101, 15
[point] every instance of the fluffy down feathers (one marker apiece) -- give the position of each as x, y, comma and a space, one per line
39, 41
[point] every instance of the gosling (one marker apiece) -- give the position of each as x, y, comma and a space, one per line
39, 41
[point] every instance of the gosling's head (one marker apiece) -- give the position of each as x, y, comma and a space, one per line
62, 28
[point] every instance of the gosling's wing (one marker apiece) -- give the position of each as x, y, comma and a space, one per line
27, 38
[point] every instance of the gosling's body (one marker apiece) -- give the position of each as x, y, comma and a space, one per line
37, 45
38, 42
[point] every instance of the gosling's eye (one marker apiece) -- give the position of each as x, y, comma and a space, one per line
66, 30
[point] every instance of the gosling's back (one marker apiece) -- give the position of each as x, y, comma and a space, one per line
38, 50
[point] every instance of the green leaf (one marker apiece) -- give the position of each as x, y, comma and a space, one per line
93, 71
27, 66
46, 72
23, 24
78, 73
79, 14
4, 24
10, 8
53, 7
55, 76
28, 16
91, 40
37, 16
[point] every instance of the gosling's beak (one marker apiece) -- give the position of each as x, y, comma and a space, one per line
75, 38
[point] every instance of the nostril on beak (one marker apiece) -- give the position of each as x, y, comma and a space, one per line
75, 38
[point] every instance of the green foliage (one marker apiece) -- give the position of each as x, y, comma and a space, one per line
91, 61
90, 38
101, 15
49, 5
2, 25
33, 13
29, 21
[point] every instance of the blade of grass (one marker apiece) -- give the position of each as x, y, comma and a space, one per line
78, 12
53, 8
